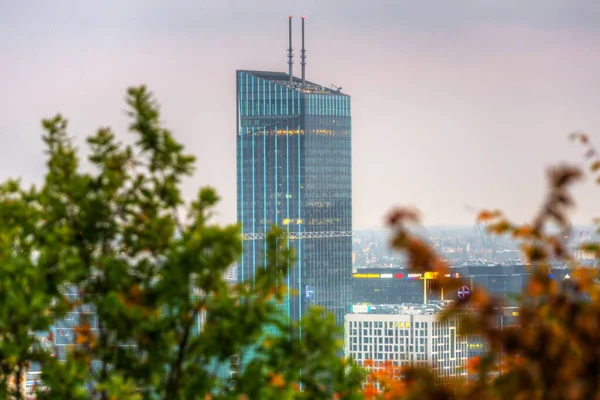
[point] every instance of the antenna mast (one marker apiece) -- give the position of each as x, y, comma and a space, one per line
303, 55
290, 54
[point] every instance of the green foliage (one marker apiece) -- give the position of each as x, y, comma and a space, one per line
117, 239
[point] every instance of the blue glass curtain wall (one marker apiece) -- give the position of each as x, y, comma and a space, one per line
294, 170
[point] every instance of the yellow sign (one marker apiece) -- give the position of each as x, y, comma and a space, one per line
366, 276
426, 275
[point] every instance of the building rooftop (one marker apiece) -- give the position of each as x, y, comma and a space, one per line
432, 307
281, 78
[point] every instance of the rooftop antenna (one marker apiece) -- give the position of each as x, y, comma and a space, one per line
290, 54
303, 55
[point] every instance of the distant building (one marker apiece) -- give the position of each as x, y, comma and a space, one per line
34, 370
64, 329
504, 281
396, 285
406, 335
230, 275
393, 286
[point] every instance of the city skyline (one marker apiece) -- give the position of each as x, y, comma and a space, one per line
451, 103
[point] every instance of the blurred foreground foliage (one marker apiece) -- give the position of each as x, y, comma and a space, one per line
121, 241
554, 351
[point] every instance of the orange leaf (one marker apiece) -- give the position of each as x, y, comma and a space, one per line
487, 215
524, 231
370, 392
473, 364
401, 215
535, 288
277, 380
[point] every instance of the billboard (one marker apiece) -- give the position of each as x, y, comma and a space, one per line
360, 309
412, 276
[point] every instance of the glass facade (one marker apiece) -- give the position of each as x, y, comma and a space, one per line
64, 329
294, 171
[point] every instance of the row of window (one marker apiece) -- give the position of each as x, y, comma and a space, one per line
387, 340
327, 106
436, 325
326, 169
260, 97
313, 124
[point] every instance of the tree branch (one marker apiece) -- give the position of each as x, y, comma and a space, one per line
175, 373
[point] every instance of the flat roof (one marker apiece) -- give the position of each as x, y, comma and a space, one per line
433, 307
282, 78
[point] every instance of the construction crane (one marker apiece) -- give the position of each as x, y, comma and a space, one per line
487, 241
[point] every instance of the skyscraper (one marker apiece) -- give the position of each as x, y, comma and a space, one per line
294, 170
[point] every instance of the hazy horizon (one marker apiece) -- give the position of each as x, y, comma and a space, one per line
456, 107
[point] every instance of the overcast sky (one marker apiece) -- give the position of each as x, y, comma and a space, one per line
454, 103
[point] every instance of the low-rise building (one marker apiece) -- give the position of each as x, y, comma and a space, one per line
406, 335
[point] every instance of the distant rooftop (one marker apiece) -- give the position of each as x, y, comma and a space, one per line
281, 78
432, 307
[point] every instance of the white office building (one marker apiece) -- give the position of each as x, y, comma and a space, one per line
406, 335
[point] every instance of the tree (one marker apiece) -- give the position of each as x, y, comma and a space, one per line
113, 241
553, 353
